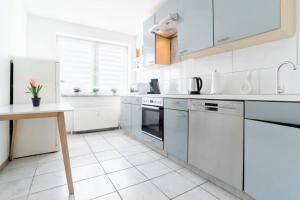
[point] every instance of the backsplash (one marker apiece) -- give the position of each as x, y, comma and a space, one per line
262, 61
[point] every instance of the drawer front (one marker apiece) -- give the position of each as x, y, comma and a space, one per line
152, 141
284, 112
126, 100
136, 100
176, 104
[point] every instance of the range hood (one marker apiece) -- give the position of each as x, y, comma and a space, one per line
167, 27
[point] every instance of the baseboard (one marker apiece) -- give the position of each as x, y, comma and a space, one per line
96, 130
4, 164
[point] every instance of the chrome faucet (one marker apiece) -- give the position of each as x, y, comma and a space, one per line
279, 89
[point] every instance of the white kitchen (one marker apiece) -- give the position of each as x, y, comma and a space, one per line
149, 100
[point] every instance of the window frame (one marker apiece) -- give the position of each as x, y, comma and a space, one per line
96, 42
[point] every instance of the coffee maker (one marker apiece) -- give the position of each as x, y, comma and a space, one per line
154, 87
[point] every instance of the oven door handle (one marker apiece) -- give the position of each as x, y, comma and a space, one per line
150, 107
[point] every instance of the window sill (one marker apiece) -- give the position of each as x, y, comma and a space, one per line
88, 95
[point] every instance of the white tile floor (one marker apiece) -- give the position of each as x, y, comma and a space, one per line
105, 166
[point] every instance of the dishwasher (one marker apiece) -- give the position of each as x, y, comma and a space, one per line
216, 140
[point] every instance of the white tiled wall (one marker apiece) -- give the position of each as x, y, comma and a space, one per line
261, 60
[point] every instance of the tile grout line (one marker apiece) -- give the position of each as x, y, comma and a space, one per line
37, 164
147, 179
103, 170
106, 174
185, 192
215, 194
172, 171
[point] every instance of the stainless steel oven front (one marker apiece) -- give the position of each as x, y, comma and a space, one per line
153, 117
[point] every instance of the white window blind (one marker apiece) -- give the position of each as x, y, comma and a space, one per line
77, 59
111, 71
91, 64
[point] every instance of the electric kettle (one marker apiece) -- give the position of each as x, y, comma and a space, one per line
195, 85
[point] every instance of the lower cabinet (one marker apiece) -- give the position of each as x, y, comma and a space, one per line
94, 118
127, 118
272, 161
136, 120
131, 115
176, 133
92, 113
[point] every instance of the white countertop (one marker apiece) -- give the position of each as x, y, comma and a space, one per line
29, 109
282, 97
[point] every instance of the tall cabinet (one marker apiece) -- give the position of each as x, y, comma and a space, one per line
41, 134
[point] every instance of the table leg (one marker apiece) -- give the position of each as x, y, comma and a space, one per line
13, 140
65, 150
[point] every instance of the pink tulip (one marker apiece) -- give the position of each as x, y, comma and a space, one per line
34, 83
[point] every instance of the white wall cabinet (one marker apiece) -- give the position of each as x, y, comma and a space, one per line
92, 113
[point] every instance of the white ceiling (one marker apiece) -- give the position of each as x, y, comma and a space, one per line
125, 16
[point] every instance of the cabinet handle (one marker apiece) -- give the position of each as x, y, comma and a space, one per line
184, 51
223, 39
180, 115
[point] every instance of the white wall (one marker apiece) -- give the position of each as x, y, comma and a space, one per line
42, 33
13, 19
4, 73
18, 28
234, 65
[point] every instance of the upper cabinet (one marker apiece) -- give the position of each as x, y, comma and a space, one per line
238, 19
195, 27
170, 7
206, 27
148, 42
156, 49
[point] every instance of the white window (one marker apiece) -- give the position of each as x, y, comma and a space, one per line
91, 64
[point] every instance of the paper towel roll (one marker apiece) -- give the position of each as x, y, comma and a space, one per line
216, 83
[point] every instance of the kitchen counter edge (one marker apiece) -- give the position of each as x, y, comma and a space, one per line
280, 98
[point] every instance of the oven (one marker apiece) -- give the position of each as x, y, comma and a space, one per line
153, 117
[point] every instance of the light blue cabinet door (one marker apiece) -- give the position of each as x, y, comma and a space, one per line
170, 7
148, 42
127, 118
237, 19
272, 161
122, 116
195, 28
176, 133
136, 120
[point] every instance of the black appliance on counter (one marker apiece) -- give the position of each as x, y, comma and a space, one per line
154, 87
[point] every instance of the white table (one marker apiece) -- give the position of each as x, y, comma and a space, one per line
18, 112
